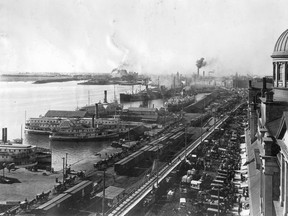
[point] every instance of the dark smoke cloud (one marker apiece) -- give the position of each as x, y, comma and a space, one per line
200, 63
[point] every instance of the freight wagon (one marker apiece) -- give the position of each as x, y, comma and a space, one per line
66, 200
127, 165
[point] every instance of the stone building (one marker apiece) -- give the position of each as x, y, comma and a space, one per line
267, 138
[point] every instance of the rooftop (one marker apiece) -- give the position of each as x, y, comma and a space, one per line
281, 46
66, 114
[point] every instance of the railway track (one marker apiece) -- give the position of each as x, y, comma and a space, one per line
132, 199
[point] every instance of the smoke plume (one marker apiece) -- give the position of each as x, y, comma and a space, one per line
200, 63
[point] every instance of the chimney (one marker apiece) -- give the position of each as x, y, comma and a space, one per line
174, 82
264, 89
96, 110
269, 96
255, 102
105, 96
250, 84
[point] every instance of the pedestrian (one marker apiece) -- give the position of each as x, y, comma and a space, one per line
239, 199
239, 208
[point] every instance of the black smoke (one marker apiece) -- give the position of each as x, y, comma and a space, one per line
200, 63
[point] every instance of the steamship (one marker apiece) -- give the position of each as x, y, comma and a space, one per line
51, 121
16, 155
75, 131
42, 125
144, 95
105, 109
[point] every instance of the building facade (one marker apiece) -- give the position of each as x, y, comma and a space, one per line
268, 138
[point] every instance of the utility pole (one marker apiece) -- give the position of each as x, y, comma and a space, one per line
218, 202
185, 140
63, 169
66, 160
103, 200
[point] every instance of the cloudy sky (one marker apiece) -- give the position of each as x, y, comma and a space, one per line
147, 36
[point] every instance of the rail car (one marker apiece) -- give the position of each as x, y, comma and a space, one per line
126, 165
66, 200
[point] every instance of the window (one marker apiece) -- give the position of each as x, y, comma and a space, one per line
281, 71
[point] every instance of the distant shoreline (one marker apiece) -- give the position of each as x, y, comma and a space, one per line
36, 79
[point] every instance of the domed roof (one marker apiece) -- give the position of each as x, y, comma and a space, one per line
281, 46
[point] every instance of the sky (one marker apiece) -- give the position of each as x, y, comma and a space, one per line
145, 36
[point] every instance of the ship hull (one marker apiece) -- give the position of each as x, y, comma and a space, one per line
131, 97
29, 131
139, 97
83, 138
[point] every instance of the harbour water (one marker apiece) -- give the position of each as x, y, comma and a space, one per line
20, 100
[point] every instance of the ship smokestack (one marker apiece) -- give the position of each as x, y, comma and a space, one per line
96, 110
93, 116
264, 82
4, 135
105, 96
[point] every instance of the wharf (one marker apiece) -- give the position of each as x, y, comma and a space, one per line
30, 183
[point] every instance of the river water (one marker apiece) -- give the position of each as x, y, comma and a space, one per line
22, 100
